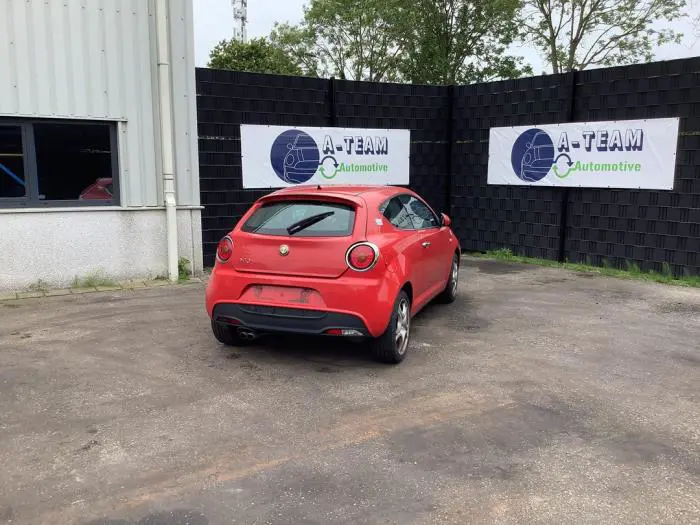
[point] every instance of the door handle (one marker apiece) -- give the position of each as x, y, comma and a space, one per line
426, 244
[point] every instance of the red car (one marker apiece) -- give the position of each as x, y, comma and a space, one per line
348, 261
100, 190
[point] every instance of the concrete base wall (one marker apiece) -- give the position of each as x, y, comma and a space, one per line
56, 246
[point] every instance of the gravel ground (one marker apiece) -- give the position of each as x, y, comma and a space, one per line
540, 396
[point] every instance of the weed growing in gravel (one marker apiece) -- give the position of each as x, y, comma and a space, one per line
92, 280
631, 270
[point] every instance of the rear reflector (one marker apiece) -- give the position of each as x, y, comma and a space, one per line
224, 249
344, 332
362, 256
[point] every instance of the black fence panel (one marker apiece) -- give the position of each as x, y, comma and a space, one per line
421, 109
523, 219
657, 230
225, 100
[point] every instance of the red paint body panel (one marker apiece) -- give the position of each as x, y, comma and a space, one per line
314, 274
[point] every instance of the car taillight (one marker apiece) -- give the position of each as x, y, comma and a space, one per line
362, 256
224, 249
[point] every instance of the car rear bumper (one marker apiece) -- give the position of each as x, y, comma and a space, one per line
264, 318
354, 301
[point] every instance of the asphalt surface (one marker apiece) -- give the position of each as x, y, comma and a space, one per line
540, 396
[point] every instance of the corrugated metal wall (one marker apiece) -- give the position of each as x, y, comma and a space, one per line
91, 59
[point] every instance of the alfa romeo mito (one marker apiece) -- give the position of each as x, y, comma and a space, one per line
337, 261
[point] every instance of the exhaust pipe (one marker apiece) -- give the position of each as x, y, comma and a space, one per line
247, 334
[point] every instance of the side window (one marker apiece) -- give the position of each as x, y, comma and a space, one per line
396, 213
422, 217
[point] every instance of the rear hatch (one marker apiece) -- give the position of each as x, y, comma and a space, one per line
298, 237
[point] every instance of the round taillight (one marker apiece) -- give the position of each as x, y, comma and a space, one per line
224, 249
362, 257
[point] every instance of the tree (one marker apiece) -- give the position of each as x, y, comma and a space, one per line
353, 39
576, 34
256, 56
460, 41
299, 44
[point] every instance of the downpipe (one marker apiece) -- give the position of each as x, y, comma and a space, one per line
166, 132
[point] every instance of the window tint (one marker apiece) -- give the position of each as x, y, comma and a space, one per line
420, 214
73, 161
396, 214
12, 181
274, 219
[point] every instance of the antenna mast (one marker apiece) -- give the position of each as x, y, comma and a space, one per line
240, 20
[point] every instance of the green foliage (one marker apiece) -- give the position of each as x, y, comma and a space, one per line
298, 43
460, 41
256, 56
422, 41
92, 280
577, 34
183, 269
39, 286
631, 271
349, 39
502, 253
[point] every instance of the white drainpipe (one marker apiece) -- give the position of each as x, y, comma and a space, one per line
166, 132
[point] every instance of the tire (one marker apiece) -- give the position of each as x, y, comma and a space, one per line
390, 347
226, 334
449, 294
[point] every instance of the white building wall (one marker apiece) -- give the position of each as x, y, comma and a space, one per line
96, 60
57, 246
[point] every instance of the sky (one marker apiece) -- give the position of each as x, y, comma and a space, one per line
213, 21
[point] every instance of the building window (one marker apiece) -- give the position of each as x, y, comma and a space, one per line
58, 163
12, 180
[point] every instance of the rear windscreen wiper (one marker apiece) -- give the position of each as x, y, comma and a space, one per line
309, 221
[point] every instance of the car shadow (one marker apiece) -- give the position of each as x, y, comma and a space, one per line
330, 353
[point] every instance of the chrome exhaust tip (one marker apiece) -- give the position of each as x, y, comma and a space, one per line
247, 334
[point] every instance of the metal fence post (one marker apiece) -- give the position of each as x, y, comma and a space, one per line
450, 139
564, 212
331, 101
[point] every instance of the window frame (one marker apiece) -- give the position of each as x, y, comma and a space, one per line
31, 175
410, 215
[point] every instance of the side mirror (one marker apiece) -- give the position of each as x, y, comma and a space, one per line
446, 221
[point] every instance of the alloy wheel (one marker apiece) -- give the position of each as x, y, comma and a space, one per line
403, 326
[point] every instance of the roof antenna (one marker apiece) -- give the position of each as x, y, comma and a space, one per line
319, 187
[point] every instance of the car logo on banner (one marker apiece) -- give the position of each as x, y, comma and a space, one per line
534, 155
296, 156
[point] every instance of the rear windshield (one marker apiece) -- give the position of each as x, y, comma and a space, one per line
326, 219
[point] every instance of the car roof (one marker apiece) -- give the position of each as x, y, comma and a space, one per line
349, 190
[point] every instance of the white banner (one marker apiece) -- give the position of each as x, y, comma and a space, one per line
618, 154
279, 156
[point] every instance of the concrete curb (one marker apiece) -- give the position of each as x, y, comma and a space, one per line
119, 287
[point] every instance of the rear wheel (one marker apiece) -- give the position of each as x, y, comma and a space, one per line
227, 334
449, 294
392, 345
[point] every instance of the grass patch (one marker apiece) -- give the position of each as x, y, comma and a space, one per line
631, 270
39, 286
183, 269
92, 280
